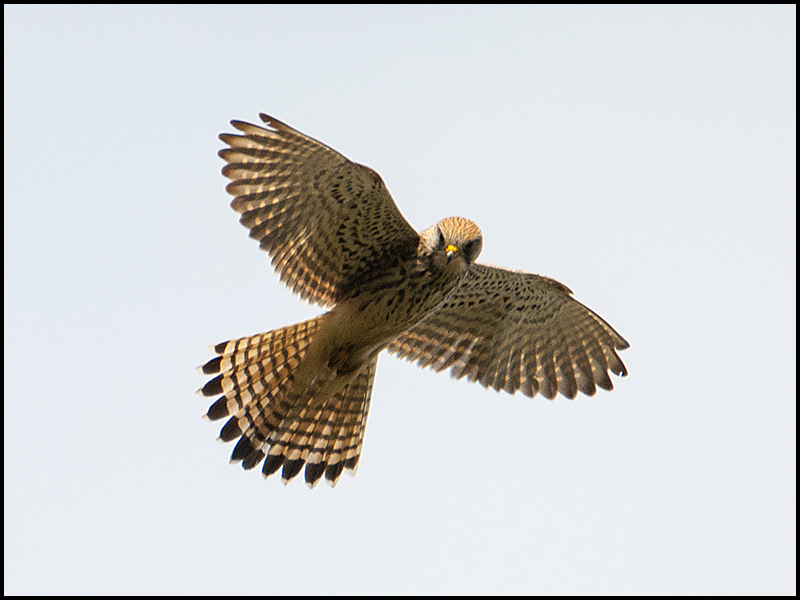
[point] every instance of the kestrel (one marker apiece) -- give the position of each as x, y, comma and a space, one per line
300, 395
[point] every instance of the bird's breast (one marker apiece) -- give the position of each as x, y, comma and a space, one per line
385, 307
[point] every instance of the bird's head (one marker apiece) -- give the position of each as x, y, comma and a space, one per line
453, 243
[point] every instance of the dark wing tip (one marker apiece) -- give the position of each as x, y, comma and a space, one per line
273, 122
228, 138
240, 125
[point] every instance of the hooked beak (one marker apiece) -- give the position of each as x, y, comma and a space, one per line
450, 250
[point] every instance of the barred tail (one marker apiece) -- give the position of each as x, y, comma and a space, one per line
290, 430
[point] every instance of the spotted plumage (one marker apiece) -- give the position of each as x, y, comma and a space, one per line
299, 396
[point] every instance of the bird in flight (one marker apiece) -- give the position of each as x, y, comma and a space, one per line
300, 395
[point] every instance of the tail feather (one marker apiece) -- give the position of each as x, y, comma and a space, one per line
254, 376
326, 438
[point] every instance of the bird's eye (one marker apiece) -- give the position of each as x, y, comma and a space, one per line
472, 249
441, 239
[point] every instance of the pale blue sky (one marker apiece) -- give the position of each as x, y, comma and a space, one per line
644, 156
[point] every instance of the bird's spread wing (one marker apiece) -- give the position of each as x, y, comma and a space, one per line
516, 331
326, 221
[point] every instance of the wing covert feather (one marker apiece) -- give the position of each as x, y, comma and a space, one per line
324, 220
516, 331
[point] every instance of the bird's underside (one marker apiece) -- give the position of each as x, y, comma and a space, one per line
300, 395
